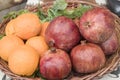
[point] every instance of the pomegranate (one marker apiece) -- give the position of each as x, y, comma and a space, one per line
55, 65
63, 33
111, 45
87, 58
97, 25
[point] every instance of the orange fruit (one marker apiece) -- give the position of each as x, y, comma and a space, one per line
25, 26
7, 44
23, 60
44, 27
38, 43
10, 28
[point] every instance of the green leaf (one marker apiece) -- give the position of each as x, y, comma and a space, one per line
84, 8
14, 14
10, 15
41, 15
76, 12
37, 74
53, 12
59, 5
2, 35
22, 11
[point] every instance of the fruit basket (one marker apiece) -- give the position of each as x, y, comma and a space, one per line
111, 63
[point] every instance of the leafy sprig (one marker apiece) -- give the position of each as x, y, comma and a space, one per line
59, 8
76, 12
1, 36
14, 14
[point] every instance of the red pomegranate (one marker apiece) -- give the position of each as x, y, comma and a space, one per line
63, 33
97, 25
55, 65
87, 58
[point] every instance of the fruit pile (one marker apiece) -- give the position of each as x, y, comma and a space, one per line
59, 46
24, 43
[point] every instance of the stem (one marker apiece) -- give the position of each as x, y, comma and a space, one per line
87, 24
53, 49
83, 42
52, 46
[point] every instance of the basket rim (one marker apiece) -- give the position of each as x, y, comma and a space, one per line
98, 74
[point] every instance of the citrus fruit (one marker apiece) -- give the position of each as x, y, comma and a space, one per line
25, 26
38, 43
10, 28
44, 26
24, 60
7, 44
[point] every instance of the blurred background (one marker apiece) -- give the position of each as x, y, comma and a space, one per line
10, 5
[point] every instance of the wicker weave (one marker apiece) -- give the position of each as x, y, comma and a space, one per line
111, 64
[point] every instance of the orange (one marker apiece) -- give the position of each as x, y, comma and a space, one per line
39, 44
7, 44
10, 28
23, 61
44, 27
24, 26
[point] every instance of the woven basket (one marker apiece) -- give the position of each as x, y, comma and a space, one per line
111, 63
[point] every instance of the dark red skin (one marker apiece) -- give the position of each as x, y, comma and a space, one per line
63, 33
87, 58
97, 25
55, 65
111, 45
